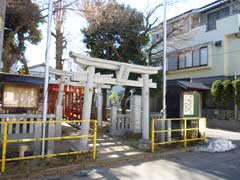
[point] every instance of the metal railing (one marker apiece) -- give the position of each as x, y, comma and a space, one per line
5, 140
200, 127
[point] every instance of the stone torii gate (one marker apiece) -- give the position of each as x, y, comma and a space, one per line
122, 74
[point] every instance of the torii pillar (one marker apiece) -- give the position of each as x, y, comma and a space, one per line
99, 105
145, 107
145, 142
87, 105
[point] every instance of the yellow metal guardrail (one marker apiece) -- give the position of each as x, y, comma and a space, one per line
5, 140
184, 130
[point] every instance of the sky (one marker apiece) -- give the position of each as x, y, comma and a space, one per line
36, 53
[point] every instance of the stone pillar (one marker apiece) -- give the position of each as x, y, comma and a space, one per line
145, 107
50, 133
135, 114
169, 128
99, 106
87, 105
37, 133
55, 130
59, 108
162, 127
113, 119
145, 141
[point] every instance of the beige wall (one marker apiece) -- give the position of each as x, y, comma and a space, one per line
234, 55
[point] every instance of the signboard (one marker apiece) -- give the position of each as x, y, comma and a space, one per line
19, 96
188, 104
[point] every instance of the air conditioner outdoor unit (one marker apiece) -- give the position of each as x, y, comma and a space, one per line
218, 43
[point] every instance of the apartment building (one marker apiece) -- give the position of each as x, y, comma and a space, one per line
203, 46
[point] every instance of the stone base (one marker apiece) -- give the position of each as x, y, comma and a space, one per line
80, 148
144, 144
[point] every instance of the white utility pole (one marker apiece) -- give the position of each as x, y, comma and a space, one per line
47, 58
3, 4
164, 59
165, 72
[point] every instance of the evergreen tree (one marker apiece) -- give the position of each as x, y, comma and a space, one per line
22, 22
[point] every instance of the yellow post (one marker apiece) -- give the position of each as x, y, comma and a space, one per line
94, 140
153, 124
4, 146
205, 128
185, 132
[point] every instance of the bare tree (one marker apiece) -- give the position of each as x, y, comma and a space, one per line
174, 28
90, 9
61, 43
60, 8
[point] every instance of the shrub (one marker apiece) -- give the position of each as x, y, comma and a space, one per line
236, 86
228, 92
217, 92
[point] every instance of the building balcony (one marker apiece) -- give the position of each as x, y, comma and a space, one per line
207, 33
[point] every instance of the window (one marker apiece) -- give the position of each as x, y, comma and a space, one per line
196, 58
189, 61
213, 17
181, 61
223, 13
204, 56
155, 37
195, 21
172, 61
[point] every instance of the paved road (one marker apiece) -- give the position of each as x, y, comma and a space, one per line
183, 166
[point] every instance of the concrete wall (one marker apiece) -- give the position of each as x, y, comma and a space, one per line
222, 119
220, 114
224, 124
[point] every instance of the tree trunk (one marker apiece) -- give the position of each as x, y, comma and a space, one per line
8, 62
104, 105
25, 66
6, 66
59, 49
124, 100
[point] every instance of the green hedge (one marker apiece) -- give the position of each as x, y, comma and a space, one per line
224, 92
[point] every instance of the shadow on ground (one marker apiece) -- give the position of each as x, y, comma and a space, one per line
187, 165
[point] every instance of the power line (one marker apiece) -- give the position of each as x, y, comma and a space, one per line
228, 52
